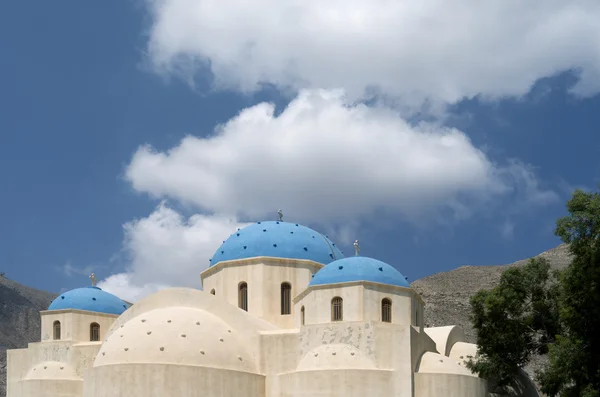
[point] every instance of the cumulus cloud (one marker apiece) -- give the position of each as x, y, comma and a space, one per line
326, 161
166, 249
411, 49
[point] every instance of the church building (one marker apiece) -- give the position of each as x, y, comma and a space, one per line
282, 313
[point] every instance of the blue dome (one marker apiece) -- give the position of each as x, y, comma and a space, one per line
359, 268
279, 240
92, 299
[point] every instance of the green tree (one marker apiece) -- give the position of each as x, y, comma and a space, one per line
574, 368
514, 320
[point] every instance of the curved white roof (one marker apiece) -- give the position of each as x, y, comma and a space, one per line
176, 335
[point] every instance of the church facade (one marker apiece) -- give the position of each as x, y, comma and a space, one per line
282, 313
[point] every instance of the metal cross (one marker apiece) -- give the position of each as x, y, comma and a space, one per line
280, 213
93, 278
356, 248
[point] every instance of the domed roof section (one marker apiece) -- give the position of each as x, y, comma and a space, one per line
177, 336
280, 240
51, 370
359, 268
92, 299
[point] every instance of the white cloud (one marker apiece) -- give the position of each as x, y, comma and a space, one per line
324, 161
411, 49
165, 249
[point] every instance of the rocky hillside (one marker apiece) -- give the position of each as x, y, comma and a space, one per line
446, 295
19, 319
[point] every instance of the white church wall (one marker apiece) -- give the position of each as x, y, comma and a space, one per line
16, 369
362, 301
441, 376
143, 380
74, 324
317, 303
445, 337
263, 277
338, 383
52, 388
52, 379
449, 385
367, 349
401, 298
77, 357
280, 351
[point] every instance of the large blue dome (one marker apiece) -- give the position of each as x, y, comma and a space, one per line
92, 299
359, 268
279, 240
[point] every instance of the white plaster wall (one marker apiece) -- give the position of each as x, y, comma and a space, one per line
420, 343
441, 376
51, 388
449, 385
280, 351
362, 302
385, 346
317, 304
160, 380
337, 383
264, 277
74, 324
78, 356
445, 337
462, 351
16, 369
402, 303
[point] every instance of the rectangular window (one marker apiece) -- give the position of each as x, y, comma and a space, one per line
286, 298
337, 309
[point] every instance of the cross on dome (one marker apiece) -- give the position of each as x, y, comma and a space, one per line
93, 278
280, 214
356, 248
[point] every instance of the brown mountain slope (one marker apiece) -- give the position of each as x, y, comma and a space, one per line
447, 294
19, 319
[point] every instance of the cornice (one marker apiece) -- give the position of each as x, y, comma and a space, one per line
387, 287
265, 260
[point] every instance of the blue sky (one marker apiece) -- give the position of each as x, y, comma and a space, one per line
82, 89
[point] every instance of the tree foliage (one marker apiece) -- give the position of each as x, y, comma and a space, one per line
514, 320
534, 310
574, 368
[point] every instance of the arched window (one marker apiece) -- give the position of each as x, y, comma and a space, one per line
243, 296
337, 309
286, 298
94, 332
212, 292
56, 328
386, 310
302, 318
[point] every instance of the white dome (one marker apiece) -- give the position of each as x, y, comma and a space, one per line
51, 370
335, 356
179, 336
434, 363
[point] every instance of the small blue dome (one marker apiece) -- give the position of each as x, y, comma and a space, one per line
279, 240
359, 268
92, 299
